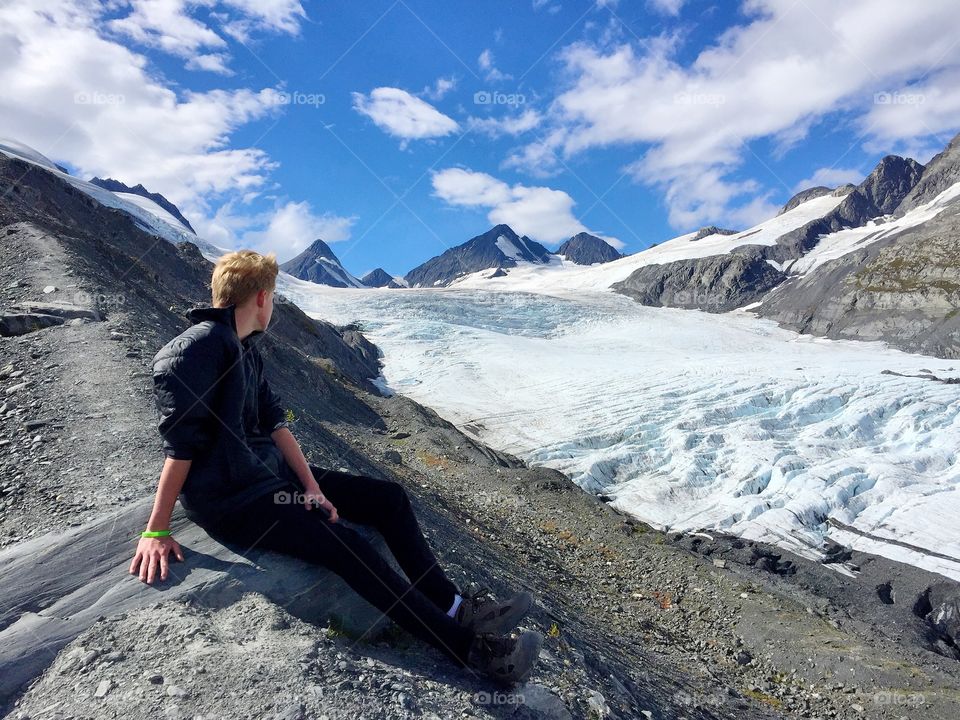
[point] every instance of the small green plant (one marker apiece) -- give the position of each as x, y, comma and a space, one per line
289, 416
335, 627
763, 697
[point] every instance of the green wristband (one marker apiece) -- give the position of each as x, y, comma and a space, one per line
156, 533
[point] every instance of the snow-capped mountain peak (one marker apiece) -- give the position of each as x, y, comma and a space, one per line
499, 247
586, 249
319, 264
380, 278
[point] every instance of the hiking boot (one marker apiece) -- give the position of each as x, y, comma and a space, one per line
479, 612
503, 658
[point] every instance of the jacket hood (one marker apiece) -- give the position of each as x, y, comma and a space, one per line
225, 315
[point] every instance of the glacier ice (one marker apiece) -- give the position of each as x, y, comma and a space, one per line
688, 420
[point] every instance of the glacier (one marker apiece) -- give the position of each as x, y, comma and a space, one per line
686, 420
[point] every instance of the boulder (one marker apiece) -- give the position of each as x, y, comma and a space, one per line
22, 323
55, 586
67, 311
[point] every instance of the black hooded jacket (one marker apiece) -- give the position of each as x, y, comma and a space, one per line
216, 409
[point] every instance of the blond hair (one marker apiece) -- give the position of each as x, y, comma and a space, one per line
238, 275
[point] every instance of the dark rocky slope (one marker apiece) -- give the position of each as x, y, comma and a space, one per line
718, 283
904, 290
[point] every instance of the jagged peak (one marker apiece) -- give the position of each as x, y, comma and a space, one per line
892, 163
940, 173
500, 229
889, 183
318, 246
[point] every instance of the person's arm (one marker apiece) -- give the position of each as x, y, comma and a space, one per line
185, 381
153, 553
185, 376
273, 420
295, 459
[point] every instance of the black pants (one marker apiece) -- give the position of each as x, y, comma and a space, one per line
419, 605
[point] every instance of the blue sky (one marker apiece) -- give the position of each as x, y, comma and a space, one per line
395, 129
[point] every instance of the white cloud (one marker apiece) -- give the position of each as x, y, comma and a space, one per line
485, 61
496, 127
906, 113
490, 71
540, 158
552, 7
775, 76
170, 26
86, 100
440, 88
165, 24
466, 187
293, 226
830, 177
542, 213
285, 230
211, 62
701, 195
667, 7
89, 101
281, 16
403, 115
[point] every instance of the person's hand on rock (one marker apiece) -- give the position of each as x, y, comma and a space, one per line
152, 556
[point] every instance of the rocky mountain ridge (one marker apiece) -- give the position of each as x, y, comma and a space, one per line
138, 189
901, 287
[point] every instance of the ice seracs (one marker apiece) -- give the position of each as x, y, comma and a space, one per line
689, 420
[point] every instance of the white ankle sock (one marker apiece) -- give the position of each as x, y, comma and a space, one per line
456, 603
